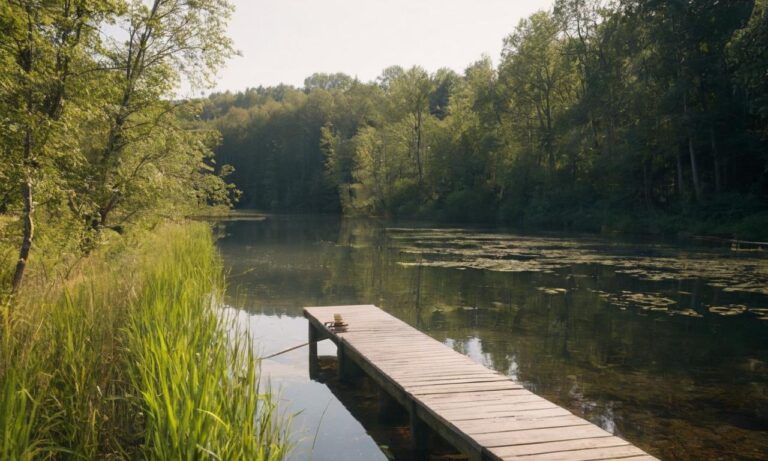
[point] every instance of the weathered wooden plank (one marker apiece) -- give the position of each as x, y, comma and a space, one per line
500, 404
448, 400
498, 439
385, 351
589, 454
414, 376
457, 364
421, 382
436, 374
469, 414
398, 353
406, 372
487, 411
414, 348
481, 412
467, 369
489, 426
368, 337
555, 447
645, 457
413, 360
470, 387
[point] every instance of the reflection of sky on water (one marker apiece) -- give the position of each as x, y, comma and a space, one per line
321, 427
473, 348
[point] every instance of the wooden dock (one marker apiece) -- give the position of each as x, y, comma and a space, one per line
482, 413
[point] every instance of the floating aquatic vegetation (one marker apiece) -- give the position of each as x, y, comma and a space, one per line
552, 291
645, 301
462, 249
760, 312
483, 264
728, 310
752, 287
650, 301
685, 313
653, 275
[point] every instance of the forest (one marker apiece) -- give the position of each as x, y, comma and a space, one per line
631, 116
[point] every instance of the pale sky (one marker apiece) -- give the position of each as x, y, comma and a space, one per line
285, 41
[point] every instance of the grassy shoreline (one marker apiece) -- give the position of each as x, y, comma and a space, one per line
129, 358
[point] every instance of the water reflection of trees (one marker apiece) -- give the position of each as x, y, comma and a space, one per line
647, 376
663, 381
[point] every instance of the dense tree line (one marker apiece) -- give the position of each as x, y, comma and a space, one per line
90, 138
635, 115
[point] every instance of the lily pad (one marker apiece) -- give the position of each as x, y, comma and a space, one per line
552, 291
686, 313
728, 310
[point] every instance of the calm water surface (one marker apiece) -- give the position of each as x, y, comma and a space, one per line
664, 345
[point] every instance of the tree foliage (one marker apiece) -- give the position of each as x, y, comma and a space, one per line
633, 115
90, 136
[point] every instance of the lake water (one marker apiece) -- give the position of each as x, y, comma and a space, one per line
662, 344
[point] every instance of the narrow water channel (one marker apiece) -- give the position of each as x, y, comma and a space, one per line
662, 344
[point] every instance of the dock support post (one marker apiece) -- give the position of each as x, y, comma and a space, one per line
314, 365
419, 435
343, 363
389, 408
349, 371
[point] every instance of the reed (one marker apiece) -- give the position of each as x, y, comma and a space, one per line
130, 358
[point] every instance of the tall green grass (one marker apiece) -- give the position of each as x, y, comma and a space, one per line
131, 359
